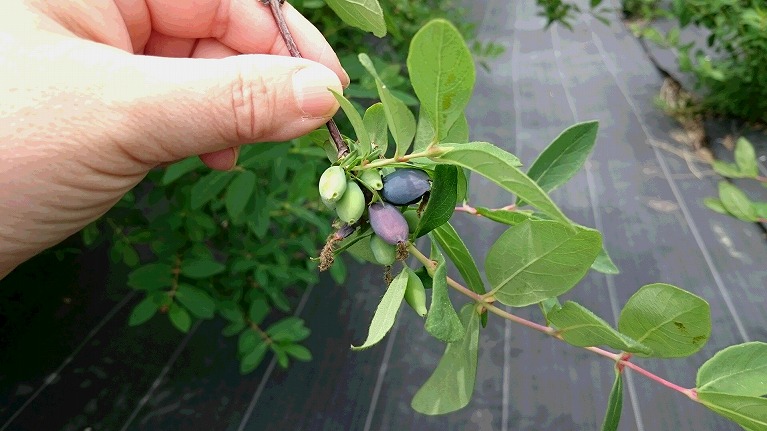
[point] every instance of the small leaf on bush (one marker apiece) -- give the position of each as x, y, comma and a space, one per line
208, 187
450, 387
179, 317
580, 327
564, 157
143, 311
299, 352
247, 342
288, 329
201, 268
745, 158
442, 321
672, 322
508, 217
715, 205
604, 264
441, 200
259, 309
250, 361
736, 202
151, 277
386, 312
442, 73
239, 192
230, 311
375, 123
196, 301
452, 245
614, 405
233, 329
738, 370
179, 169
538, 259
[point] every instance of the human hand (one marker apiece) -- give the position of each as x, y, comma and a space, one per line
95, 94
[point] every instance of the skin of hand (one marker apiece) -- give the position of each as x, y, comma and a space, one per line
95, 93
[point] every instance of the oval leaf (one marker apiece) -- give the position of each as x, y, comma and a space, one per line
364, 14
745, 158
580, 327
375, 123
251, 360
670, 321
179, 169
180, 318
736, 202
452, 245
201, 268
500, 167
383, 319
400, 120
539, 259
151, 277
604, 264
739, 370
239, 192
749, 412
442, 200
143, 311
196, 301
208, 187
450, 387
442, 73
442, 321
564, 157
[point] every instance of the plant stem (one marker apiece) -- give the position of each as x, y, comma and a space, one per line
429, 152
487, 303
335, 134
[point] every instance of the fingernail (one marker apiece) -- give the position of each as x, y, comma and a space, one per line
345, 81
235, 156
310, 86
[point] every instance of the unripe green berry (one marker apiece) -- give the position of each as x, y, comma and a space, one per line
332, 184
415, 294
372, 179
384, 253
352, 204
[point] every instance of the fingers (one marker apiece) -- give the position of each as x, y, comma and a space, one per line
198, 106
246, 26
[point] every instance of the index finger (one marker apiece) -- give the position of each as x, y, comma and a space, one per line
246, 26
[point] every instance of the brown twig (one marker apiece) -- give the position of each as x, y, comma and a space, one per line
335, 134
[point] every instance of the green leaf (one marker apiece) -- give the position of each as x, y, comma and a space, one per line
442, 73
143, 311
179, 169
564, 157
538, 259
749, 412
151, 277
745, 158
452, 245
442, 322
288, 329
604, 263
299, 352
201, 268
398, 116
459, 132
580, 327
736, 202
375, 123
442, 199
196, 301
738, 370
258, 310
208, 187
715, 205
614, 405
548, 305
386, 312
354, 117
229, 310
424, 134
179, 317
239, 192
251, 361
500, 167
233, 328
247, 341
363, 14
450, 387
729, 170
672, 322
511, 218
761, 209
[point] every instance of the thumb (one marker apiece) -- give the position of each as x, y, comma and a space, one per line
184, 107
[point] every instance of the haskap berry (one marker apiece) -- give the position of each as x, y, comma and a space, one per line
405, 186
388, 223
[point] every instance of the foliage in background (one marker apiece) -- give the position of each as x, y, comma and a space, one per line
732, 200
